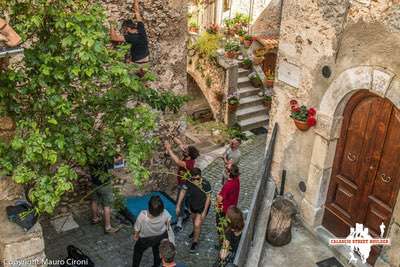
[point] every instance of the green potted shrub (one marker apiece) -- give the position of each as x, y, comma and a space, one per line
241, 33
270, 77
233, 103
231, 49
255, 80
193, 27
246, 64
213, 29
230, 27
248, 40
267, 101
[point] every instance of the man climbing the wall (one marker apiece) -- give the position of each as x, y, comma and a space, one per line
134, 33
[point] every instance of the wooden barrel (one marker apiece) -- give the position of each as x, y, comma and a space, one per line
279, 232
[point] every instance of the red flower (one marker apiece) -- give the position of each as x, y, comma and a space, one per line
293, 102
311, 121
311, 112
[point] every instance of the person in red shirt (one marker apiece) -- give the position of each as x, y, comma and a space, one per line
229, 194
185, 165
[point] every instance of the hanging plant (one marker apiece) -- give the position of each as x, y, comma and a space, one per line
303, 117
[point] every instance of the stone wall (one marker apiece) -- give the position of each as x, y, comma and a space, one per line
268, 23
211, 80
359, 43
166, 25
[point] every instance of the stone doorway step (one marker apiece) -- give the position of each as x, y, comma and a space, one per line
251, 113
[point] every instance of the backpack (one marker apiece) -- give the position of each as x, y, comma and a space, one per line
22, 213
76, 258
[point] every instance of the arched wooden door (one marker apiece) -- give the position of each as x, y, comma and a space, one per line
366, 172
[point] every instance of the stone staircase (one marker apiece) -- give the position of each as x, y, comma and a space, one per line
251, 113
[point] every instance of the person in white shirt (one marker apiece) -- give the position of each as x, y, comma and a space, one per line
151, 227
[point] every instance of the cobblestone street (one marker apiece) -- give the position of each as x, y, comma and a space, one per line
116, 250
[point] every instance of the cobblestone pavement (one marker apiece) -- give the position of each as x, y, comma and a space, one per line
116, 250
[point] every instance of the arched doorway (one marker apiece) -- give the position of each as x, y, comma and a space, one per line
198, 107
365, 177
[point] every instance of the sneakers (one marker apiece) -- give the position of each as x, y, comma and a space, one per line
193, 247
112, 230
178, 229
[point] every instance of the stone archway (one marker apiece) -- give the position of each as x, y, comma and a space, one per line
377, 80
198, 106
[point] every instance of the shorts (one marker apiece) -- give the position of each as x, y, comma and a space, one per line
198, 210
104, 195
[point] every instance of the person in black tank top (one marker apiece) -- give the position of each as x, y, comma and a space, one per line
135, 34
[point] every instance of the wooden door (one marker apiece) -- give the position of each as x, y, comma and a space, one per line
366, 175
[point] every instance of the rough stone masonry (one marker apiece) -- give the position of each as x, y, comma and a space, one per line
166, 25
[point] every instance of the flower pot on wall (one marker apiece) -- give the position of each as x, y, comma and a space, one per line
301, 125
248, 43
230, 54
232, 108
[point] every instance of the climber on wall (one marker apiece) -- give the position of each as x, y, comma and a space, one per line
8, 35
134, 33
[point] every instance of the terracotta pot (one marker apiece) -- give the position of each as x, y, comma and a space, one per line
232, 108
269, 83
195, 30
267, 104
230, 54
247, 43
301, 125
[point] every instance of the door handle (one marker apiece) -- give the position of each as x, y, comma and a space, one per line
351, 157
386, 179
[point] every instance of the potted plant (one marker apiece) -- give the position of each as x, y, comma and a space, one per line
230, 27
255, 80
248, 40
270, 77
213, 29
303, 117
219, 96
246, 64
267, 101
231, 49
194, 27
233, 103
241, 33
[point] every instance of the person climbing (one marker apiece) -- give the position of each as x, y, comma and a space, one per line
134, 33
103, 193
233, 233
8, 35
185, 165
168, 253
229, 194
231, 157
151, 227
198, 191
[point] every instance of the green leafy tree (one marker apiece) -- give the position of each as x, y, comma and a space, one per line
73, 98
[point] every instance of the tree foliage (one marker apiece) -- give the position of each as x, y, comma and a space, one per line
73, 98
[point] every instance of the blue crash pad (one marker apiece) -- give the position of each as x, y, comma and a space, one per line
134, 205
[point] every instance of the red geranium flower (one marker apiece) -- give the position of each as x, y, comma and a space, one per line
311, 112
311, 121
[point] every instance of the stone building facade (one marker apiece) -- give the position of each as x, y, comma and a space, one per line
166, 25
356, 44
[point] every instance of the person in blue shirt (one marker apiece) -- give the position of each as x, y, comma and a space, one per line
168, 253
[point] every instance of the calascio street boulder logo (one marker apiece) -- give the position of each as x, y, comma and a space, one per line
360, 242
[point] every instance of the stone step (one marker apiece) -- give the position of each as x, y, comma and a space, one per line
247, 113
243, 72
250, 101
244, 82
248, 91
254, 122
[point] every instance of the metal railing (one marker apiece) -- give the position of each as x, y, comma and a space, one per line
248, 231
